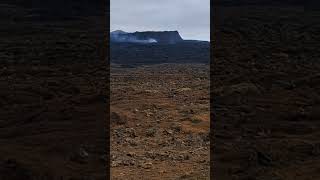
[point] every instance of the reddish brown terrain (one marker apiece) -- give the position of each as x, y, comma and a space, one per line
160, 122
265, 90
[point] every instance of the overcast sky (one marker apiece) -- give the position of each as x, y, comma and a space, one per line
190, 17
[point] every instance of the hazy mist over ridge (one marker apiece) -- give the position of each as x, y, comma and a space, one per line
190, 17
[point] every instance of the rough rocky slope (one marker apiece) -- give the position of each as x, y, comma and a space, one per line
53, 99
265, 93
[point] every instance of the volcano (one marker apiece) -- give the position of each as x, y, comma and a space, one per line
166, 37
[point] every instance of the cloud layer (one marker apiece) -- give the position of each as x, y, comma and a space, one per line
190, 17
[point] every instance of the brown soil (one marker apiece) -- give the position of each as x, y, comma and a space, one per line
160, 122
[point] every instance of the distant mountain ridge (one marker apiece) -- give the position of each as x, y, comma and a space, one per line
155, 47
167, 37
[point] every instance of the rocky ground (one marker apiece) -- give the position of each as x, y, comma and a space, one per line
160, 122
265, 92
53, 96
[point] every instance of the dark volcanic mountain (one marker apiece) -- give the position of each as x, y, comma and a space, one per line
152, 47
168, 37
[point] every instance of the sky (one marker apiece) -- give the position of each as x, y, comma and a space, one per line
190, 17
